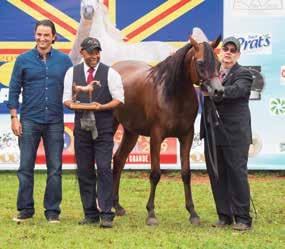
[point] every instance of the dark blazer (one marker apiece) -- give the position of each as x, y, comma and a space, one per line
233, 109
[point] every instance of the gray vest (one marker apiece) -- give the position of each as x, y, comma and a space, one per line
102, 95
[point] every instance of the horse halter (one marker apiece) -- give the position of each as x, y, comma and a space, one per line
203, 70
202, 81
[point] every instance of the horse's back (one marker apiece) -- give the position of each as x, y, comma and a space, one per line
140, 98
135, 78
130, 67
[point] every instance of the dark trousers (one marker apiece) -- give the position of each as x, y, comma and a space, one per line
52, 135
231, 191
87, 153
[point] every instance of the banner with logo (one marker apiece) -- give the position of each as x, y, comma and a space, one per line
258, 26
170, 22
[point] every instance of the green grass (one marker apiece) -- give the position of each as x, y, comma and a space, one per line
130, 231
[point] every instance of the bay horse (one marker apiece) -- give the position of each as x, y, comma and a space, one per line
161, 102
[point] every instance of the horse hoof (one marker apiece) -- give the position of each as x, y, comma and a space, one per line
120, 212
151, 221
195, 221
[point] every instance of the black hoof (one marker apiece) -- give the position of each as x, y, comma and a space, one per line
151, 221
120, 212
195, 220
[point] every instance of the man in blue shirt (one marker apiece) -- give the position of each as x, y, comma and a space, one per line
39, 74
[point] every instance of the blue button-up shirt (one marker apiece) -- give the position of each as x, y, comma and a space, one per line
41, 84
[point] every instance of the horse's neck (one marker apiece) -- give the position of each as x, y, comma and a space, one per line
102, 26
97, 28
109, 26
82, 32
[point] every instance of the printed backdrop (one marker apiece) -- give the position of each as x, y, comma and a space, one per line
256, 23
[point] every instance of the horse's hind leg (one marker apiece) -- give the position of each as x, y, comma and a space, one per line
155, 143
127, 144
185, 146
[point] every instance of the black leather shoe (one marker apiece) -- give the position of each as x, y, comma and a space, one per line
53, 220
241, 227
89, 221
221, 224
22, 218
106, 223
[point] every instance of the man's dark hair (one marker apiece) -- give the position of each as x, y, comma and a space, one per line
47, 23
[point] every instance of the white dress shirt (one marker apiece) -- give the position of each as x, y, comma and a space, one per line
115, 83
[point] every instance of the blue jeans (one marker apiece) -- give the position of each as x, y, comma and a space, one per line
52, 135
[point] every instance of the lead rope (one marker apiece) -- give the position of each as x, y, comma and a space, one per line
212, 150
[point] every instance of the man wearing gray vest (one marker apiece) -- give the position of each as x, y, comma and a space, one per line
94, 130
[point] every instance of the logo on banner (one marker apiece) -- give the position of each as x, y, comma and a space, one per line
256, 43
261, 7
282, 75
258, 5
277, 106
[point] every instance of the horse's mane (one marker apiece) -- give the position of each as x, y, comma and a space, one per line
171, 72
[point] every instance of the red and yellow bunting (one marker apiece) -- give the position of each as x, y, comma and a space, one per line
142, 28
158, 18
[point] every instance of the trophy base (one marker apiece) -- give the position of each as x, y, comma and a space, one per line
83, 106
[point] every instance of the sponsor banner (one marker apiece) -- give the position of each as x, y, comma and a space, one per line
138, 21
139, 158
139, 155
256, 24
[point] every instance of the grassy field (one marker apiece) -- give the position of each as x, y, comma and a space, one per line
130, 231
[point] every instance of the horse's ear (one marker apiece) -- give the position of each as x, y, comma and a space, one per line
216, 43
194, 43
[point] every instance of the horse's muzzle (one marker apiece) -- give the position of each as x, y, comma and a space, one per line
215, 87
88, 12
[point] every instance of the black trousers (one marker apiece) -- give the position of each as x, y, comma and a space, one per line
231, 191
92, 186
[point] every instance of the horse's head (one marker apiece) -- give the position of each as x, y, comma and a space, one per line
88, 8
102, 26
204, 64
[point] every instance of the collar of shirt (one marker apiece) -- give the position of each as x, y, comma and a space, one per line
86, 67
224, 71
49, 54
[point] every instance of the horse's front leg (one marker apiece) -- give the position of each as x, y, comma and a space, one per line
185, 146
127, 144
155, 143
